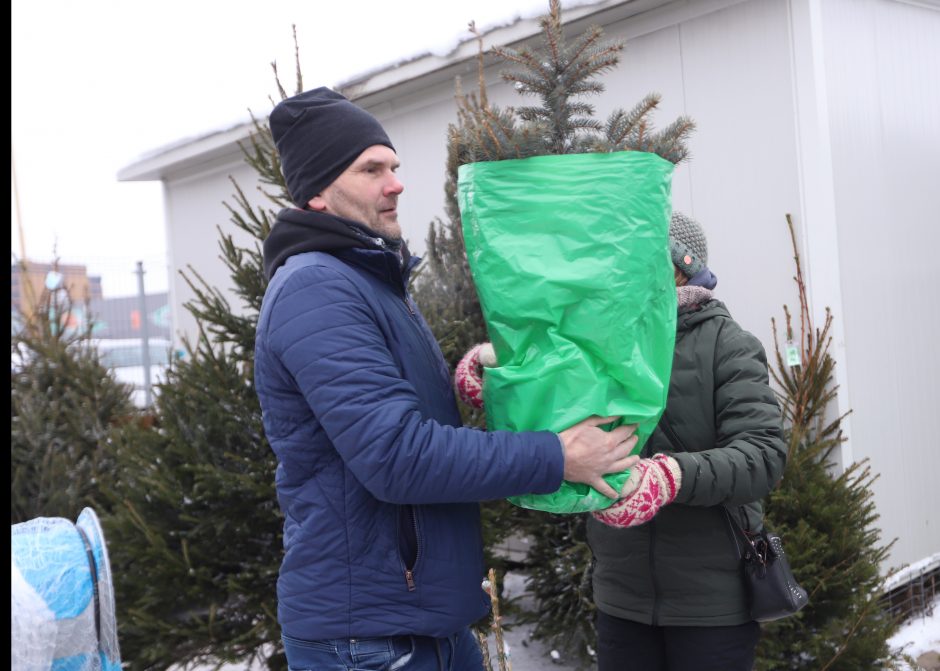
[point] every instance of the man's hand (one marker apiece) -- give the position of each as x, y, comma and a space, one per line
591, 452
652, 484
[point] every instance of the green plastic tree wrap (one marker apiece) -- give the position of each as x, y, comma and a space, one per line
570, 258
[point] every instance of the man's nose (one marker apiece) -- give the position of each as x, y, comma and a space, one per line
394, 187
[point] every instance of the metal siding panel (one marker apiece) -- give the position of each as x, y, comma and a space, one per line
737, 81
193, 210
883, 72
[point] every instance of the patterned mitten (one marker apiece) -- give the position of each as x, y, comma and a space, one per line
652, 484
468, 376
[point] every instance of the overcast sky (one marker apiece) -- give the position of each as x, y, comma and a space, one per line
99, 83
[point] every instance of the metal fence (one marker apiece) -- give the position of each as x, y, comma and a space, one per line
911, 591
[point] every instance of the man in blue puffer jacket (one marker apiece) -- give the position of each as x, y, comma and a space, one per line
377, 480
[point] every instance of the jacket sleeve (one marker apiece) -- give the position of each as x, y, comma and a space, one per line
749, 454
325, 334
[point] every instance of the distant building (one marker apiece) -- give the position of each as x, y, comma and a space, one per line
121, 317
111, 317
29, 279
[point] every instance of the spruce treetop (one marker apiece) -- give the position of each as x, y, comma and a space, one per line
559, 74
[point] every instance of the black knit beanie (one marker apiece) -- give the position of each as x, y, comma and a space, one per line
318, 134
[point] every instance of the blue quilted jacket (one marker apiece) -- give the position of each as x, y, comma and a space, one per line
377, 480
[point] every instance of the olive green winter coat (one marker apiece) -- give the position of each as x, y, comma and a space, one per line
723, 425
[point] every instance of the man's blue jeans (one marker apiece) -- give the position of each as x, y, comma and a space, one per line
459, 652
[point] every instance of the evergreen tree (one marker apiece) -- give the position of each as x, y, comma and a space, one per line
827, 520
64, 406
559, 74
196, 535
559, 577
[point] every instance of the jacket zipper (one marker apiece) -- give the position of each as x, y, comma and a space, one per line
652, 526
402, 287
400, 282
409, 570
671, 434
428, 348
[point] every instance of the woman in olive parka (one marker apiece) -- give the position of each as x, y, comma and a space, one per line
667, 578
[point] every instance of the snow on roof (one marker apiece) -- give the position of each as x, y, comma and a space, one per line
449, 45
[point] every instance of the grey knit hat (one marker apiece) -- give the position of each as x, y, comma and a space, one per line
687, 244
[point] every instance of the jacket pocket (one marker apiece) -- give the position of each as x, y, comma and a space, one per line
381, 654
409, 543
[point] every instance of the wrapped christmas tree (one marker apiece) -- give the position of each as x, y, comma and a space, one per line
565, 222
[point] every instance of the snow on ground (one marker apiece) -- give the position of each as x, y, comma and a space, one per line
920, 636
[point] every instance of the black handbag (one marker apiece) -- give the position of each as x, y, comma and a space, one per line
772, 590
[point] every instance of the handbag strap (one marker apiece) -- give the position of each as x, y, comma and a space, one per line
738, 531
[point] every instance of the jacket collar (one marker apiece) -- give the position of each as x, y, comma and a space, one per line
296, 231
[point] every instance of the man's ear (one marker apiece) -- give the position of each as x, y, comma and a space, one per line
317, 204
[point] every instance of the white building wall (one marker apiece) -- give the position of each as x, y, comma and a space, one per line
882, 61
194, 208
